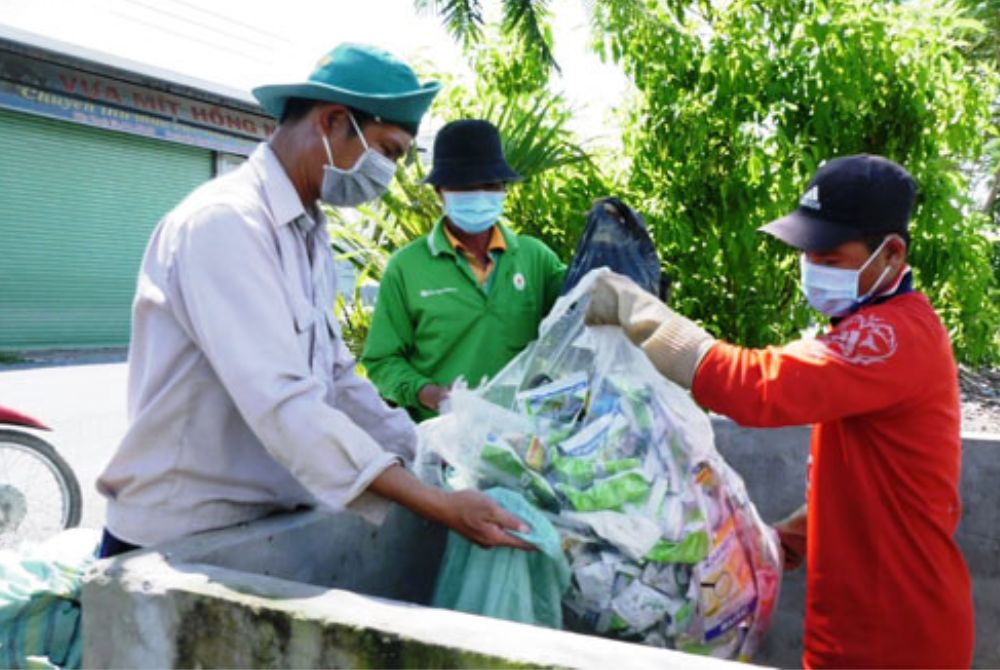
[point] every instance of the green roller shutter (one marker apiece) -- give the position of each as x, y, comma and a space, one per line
77, 205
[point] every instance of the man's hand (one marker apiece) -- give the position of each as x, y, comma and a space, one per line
674, 344
792, 533
474, 515
479, 518
431, 396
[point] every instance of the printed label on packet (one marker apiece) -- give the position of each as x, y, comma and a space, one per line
596, 581
561, 400
665, 578
589, 440
727, 589
642, 606
633, 534
535, 455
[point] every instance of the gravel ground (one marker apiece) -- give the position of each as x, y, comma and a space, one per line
980, 400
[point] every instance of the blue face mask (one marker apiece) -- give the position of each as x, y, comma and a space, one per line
474, 211
834, 291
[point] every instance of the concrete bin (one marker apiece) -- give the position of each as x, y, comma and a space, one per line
315, 590
268, 594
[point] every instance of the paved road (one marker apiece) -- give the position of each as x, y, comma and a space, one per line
85, 406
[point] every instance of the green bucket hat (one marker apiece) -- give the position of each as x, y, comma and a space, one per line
362, 77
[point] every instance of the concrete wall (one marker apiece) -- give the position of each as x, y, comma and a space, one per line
260, 596
773, 465
267, 594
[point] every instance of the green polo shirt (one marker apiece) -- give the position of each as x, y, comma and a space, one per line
434, 322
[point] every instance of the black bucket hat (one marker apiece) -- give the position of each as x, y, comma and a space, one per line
468, 152
848, 198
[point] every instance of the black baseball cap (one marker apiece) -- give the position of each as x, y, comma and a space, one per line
848, 198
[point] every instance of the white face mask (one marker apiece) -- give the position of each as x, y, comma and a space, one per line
834, 291
363, 182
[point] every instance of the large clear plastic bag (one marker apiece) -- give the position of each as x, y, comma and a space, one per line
664, 544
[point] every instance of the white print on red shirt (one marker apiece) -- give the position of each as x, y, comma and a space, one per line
862, 339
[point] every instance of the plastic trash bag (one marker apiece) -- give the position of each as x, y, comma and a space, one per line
40, 600
664, 545
507, 583
615, 237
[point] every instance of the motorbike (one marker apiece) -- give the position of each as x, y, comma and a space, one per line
39, 493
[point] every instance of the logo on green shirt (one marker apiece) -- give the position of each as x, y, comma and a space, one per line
430, 292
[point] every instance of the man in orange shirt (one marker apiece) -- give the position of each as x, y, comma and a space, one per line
887, 585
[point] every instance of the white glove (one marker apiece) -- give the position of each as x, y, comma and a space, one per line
674, 344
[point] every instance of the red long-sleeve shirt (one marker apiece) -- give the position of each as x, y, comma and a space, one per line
887, 585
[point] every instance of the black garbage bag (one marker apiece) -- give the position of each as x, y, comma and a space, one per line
616, 238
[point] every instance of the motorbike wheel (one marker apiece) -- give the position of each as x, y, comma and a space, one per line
39, 494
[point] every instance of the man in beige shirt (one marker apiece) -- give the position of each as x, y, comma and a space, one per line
242, 396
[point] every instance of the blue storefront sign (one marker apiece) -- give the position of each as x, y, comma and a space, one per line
56, 91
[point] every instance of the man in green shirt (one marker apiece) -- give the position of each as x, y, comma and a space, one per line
466, 298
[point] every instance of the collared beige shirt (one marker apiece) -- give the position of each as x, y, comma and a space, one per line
242, 398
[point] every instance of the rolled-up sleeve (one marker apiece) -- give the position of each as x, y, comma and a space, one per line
234, 306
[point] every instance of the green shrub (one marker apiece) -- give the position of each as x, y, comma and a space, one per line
739, 102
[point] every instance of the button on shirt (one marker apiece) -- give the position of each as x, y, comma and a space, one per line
242, 398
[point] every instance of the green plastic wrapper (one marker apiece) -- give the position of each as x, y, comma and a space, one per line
510, 470
581, 472
612, 493
693, 549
